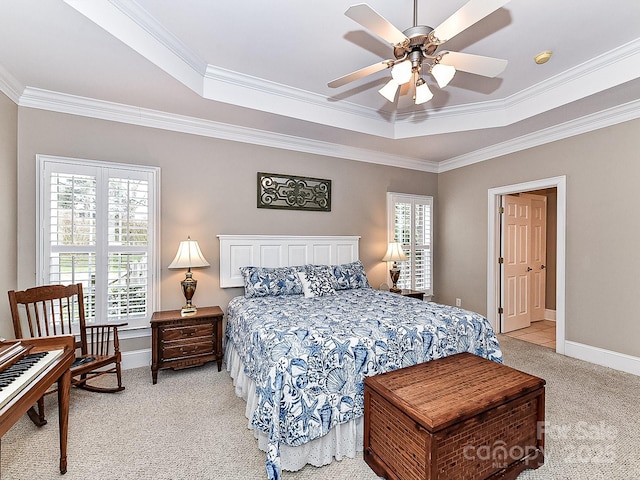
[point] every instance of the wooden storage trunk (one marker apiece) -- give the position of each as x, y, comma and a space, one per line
459, 417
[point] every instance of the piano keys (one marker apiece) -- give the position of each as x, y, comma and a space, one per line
28, 393
20, 374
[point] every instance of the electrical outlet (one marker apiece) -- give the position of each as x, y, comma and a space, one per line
458, 302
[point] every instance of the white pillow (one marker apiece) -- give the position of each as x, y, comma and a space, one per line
314, 285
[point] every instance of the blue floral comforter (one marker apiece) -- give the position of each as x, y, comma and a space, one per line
309, 356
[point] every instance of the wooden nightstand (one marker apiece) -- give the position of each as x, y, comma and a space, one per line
181, 342
411, 293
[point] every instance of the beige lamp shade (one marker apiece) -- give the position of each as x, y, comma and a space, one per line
394, 253
189, 256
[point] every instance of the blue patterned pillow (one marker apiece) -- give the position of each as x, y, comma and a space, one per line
263, 282
317, 281
350, 275
319, 270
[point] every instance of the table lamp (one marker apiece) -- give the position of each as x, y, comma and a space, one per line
189, 256
394, 254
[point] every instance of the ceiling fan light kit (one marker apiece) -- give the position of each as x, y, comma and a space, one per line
417, 47
443, 74
402, 72
389, 90
423, 94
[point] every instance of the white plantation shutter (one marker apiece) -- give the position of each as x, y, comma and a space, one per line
410, 220
72, 232
128, 215
98, 228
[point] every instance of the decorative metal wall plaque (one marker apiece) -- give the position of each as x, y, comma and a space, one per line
293, 193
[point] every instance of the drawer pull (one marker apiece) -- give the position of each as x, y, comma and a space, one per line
189, 332
188, 350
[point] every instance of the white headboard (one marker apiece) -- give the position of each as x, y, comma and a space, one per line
281, 251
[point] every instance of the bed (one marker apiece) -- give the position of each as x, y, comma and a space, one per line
302, 338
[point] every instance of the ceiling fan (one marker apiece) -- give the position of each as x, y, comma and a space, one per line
416, 50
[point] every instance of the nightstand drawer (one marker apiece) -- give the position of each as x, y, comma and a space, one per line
187, 349
187, 331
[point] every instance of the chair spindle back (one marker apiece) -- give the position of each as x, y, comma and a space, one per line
48, 310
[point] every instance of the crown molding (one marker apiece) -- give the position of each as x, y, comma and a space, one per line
256, 93
74, 105
605, 71
10, 86
588, 123
598, 74
115, 112
129, 23
164, 37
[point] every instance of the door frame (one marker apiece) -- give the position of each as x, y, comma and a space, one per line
493, 250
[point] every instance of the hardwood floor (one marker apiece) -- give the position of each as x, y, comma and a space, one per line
542, 332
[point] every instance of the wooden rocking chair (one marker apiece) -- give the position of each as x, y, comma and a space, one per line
51, 310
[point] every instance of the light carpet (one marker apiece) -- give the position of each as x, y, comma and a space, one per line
191, 425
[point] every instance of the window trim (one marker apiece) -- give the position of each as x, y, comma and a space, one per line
392, 199
78, 164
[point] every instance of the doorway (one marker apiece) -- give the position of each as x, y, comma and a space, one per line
494, 277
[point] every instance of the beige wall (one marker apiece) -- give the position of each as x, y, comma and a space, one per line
602, 262
209, 188
8, 210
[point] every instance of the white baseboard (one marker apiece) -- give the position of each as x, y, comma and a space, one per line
600, 356
136, 359
550, 315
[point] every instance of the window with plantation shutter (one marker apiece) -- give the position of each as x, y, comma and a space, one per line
98, 227
410, 223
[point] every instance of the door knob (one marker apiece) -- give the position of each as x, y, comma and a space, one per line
542, 267
529, 269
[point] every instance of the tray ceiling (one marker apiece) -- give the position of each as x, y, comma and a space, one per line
258, 71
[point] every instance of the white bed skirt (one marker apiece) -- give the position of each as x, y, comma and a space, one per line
344, 440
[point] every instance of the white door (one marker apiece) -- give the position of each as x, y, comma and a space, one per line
538, 245
516, 263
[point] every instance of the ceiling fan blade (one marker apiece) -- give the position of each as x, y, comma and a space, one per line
372, 20
363, 72
467, 15
477, 64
